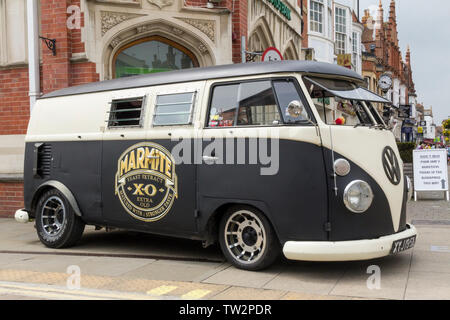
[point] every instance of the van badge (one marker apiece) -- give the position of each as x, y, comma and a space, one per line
391, 166
146, 182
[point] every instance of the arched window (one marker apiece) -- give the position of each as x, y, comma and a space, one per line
150, 55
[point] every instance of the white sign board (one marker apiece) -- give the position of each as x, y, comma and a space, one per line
272, 54
430, 170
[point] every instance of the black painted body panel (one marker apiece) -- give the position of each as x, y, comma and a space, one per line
299, 200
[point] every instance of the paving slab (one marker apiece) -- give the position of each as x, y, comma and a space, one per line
239, 293
172, 270
250, 279
308, 277
428, 286
393, 280
430, 261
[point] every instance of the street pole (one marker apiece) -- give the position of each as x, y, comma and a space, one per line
33, 52
243, 49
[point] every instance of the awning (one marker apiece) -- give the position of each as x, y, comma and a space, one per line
346, 90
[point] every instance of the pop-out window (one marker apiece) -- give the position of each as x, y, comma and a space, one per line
174, 109
126, 112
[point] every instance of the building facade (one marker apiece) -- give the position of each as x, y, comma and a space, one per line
383, 56
105, 39
334, 33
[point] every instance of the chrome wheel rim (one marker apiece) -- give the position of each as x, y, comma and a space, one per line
245, 237
53, 214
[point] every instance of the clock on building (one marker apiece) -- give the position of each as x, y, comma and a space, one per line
385, 82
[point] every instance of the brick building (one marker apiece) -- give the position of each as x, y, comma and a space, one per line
105, 39
383, 55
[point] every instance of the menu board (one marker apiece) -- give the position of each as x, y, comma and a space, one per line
430, 170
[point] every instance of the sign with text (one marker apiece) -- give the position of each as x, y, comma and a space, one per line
272, 54
430, 170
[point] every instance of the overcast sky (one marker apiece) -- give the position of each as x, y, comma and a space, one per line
425, 27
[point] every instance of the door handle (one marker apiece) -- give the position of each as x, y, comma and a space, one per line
208, 158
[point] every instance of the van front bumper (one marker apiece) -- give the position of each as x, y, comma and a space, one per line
345, 250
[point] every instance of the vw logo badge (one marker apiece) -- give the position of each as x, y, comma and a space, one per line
391, 166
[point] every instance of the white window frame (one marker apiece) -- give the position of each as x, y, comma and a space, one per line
191, 109
142, 114
340, 30
320, 23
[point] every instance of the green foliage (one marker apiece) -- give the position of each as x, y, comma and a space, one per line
446, 124
406, 151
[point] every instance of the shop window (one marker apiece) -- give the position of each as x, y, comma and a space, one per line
174, 109
126, 112
152, 55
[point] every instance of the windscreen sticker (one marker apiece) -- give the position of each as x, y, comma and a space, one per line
146, 182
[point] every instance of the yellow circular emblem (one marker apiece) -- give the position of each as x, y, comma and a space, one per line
146, 182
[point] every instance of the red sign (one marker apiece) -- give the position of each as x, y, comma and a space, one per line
272, 54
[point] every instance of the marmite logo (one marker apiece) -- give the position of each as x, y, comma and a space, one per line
146, 182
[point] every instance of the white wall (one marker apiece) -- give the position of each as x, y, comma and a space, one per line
13, 32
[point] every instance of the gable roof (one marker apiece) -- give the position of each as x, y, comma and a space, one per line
216, 72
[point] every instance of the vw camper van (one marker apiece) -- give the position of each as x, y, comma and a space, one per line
265, 159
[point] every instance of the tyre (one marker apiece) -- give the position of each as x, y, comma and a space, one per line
247, 239
57, 224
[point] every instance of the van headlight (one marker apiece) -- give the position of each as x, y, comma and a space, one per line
358, 196
410, 187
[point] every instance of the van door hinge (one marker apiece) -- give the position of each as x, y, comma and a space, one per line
196, 213
327, 226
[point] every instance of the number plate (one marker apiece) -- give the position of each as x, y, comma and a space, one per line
403, 244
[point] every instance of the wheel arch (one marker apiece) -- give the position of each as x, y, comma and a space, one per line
53, 184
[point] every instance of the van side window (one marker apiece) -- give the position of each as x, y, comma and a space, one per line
286, 93
223, 106
257, 105
255, 101
126, 112
174, 109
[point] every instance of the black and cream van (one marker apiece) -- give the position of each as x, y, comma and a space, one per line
262, 158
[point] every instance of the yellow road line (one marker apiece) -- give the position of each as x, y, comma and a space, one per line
195, 294
159, 291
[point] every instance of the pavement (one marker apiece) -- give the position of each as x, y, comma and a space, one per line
128, 265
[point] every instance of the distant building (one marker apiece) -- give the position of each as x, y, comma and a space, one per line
383, 56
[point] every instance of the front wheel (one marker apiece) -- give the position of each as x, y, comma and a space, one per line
247, 239
57, 224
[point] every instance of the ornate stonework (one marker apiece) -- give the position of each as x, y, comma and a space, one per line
205, 26
115, 42
161, 3
111, 19
203, 49
177, 31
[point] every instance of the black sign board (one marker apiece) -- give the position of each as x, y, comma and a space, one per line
404, 111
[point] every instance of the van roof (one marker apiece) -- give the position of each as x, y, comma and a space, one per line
206, 73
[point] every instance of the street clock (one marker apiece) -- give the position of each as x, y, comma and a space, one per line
385, 82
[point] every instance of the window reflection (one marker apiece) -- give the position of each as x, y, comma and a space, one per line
151, 56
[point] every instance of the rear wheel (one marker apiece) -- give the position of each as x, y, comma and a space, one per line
57, 224
247, 239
